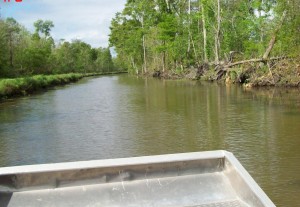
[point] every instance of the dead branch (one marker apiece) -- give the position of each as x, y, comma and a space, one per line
254, 60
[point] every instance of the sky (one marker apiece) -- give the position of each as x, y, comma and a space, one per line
87, 20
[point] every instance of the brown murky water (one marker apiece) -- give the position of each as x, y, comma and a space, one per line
121, 116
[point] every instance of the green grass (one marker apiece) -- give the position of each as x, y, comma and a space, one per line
27, 85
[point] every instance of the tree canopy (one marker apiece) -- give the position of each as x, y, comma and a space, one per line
25, 53
171, 34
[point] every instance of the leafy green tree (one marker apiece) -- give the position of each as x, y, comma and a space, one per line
12, 30
288, 40
127, 40
104, 60
4, 55
167, 33
25, 53
36, 54
43, 27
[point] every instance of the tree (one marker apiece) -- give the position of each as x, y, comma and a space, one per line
43, 27
217, 34
105, 59
12, 30
4, 55
203, 19
126, 38
25, 53
165, 34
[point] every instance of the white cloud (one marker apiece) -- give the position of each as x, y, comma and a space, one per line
87, 20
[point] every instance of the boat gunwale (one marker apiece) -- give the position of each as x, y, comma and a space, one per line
118, 162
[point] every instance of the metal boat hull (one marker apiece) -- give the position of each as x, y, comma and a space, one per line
201, 179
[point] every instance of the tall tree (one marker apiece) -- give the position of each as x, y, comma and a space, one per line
217, 32
203, 16
12, 29
43, 27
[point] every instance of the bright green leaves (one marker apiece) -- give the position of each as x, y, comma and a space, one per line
167, 28
80, 57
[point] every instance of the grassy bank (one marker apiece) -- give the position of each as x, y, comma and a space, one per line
27, 85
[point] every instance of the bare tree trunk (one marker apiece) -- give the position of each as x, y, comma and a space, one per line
253, 61
10, 50
164, 61
145, 59
189, 27
217, 35
204, 32
167, 2
273, 39
261, 29
144, 49
134, 66
195, 51
270, 47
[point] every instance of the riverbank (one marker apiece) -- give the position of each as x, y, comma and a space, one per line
281, 73
27, 85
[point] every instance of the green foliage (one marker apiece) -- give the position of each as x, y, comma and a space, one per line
104, 60
173, 31
78, 56
23, 53
43, 27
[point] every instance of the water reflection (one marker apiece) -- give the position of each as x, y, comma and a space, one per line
121, 116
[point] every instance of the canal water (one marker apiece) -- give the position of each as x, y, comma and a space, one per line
122, 116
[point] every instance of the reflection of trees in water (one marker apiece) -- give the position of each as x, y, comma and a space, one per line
278, 117
289, 97
9, 114
182, 117
176, 116
2, 151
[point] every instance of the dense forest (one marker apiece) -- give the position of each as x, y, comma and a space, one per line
23, 53
174, 35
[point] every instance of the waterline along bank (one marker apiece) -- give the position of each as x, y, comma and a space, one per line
27, 85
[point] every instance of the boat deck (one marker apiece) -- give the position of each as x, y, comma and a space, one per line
206, 190
209, 183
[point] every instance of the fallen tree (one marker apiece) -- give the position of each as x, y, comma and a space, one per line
262, 60
223, 68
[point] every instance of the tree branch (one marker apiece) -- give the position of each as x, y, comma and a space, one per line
253, 61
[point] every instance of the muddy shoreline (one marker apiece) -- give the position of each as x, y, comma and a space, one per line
283, 73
